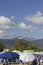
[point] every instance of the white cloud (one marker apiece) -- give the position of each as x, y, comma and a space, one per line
6, 24
29, 28
36, 18
2, 33
6, 34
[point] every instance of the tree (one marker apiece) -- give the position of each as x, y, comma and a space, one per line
32, 47
1, 47
20, 45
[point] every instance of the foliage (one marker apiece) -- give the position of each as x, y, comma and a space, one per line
1, 47
32, 47
21, 45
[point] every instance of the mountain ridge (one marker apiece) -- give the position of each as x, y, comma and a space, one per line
10, 42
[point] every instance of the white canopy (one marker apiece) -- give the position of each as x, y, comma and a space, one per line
26, 56
38, 53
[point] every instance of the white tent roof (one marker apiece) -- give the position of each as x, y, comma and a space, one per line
38, 53
26, 56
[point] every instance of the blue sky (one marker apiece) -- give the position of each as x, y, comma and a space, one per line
21, 18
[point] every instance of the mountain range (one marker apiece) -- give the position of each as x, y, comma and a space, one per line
10, 42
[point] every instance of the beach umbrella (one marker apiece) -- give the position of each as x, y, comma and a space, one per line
26, 57
9, 55
38, 53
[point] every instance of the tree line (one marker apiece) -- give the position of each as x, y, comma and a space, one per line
20, 45
2, 46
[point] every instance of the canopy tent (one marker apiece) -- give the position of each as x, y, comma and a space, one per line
26, 57
9, 55
38, 53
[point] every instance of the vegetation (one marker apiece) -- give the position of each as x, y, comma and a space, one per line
1, 47
21, 45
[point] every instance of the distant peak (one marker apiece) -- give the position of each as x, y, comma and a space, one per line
20, 37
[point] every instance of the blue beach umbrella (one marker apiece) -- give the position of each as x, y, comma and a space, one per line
9, 55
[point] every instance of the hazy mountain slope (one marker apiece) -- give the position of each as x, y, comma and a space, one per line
38, 43
10, 42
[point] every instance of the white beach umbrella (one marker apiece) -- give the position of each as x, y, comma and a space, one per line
26, 57
38, 53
